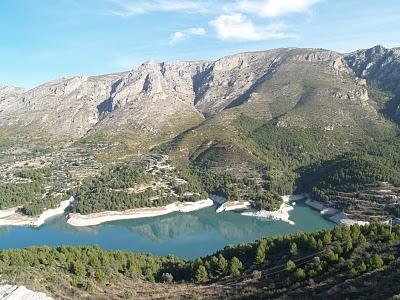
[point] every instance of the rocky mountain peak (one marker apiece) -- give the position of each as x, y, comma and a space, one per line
155, 94
380, 67
6, 91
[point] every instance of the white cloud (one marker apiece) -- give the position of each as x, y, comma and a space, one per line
239, 27
232, 20
184, 34
263, 8
177, 37
127, 8
274, 8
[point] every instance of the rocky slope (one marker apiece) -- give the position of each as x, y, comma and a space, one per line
380, 67
67, 106
163, 99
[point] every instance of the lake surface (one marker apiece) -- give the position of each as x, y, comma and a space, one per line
186, 235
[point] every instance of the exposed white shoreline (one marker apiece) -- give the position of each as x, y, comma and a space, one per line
233, 205
281, 214
11, 217
333, 214
80, 220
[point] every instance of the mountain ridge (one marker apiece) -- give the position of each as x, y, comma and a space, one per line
157, 101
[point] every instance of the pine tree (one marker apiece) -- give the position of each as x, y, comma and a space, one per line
327, 239
222, 266
313, 243
201, 274
260, 253
78, 268
362, 267
235, 267
293, 249
290, 265
377, 261
299, 273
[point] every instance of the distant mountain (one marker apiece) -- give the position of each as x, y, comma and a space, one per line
163, 99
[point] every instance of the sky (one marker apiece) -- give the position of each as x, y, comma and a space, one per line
41, 40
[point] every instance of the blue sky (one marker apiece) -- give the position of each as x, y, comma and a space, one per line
44, 39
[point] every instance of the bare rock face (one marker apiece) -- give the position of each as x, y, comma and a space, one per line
66, 106
353, 95
155, 98
227, 79
379, 66
8, 94
334, 60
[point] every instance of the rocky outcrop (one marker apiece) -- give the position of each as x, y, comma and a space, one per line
333, 59
353, 95
15, 292
380, 67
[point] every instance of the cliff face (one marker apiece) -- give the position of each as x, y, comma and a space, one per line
65, 107
166, 98
380, 67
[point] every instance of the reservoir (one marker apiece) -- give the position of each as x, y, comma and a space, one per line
186, 235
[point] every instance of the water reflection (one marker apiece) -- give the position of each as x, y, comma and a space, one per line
186, 235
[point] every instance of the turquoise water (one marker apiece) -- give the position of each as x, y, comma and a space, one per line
186, 235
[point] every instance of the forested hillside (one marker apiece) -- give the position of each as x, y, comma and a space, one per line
131, 185
317, 265
27, 189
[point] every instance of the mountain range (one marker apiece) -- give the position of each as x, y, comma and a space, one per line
161, 100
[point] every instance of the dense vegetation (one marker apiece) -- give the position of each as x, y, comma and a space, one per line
231, 187
277, 265
316, 161
130, 186
284, 150
348, 173
29, 193
114, 189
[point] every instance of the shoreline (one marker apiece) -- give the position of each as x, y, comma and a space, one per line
233, 206
281, 214
11, 216
79, 220
332, 214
